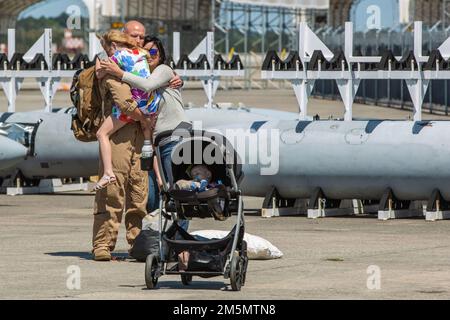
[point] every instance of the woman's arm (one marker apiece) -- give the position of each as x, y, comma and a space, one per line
157, 173
162, 76
159, 78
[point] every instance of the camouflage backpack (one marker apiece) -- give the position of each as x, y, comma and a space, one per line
87, 99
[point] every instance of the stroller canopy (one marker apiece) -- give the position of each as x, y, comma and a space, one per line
202, 147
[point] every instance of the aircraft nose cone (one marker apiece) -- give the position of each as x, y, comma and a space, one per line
11, 152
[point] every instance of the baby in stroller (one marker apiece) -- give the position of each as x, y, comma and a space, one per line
200, 190
201, 179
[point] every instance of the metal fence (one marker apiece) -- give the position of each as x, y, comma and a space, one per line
391, 93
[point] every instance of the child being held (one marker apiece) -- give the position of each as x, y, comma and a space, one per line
122, 49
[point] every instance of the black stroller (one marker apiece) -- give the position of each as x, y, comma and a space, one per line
225, 257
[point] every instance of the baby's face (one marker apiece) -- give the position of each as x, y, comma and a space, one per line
200, 172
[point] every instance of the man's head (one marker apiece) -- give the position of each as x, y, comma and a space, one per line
136, 30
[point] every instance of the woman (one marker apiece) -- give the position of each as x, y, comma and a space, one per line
170, 111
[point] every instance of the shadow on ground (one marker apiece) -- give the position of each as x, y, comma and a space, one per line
88, 255
252, 212
68, 193
194, 285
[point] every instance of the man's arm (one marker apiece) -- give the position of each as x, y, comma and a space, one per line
121, 94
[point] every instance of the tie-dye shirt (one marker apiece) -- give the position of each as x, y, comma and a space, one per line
135, 62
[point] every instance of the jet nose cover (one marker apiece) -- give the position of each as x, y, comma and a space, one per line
11, 152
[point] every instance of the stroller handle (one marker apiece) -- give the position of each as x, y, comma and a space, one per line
184, 126
161, 136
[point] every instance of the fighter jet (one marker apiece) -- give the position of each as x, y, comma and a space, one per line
55, 153
11, 153
358, 159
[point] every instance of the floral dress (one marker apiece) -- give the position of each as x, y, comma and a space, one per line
135, 62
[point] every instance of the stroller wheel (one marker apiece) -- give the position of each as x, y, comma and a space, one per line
236, 273
244, 261
186, 279
243, 251
151, 267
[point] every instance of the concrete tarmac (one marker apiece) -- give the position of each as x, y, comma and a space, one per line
41, 236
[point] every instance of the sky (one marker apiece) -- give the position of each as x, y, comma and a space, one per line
375, 14
51, 8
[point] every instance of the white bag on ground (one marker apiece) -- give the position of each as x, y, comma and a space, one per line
151, 221
257, 247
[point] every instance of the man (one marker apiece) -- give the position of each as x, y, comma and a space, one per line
130, 191
136, 30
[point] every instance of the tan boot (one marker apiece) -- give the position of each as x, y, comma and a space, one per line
101, 254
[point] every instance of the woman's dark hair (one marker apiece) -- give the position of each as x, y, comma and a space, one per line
159, 45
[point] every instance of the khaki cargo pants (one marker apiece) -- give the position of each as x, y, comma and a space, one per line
128, 194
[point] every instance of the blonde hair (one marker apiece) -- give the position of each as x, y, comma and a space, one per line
118, 37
